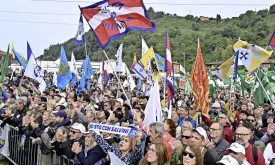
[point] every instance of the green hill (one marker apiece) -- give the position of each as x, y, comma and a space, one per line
217, 37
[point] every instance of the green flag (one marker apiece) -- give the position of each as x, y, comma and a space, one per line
259, 94
212, 84
5, 66
188, 88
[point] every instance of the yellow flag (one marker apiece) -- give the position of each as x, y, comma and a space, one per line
252, 56
149, 55
226, 69
12, 54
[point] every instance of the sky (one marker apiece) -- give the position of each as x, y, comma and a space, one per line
20, 21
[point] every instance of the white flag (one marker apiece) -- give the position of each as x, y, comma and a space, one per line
73, 65
139, 70
115, 160
118, 67
33, 70
55, 78
144, 46
153, 108
42, 84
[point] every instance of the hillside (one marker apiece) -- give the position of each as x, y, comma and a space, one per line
217, 37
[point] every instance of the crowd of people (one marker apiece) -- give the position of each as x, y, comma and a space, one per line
235, 132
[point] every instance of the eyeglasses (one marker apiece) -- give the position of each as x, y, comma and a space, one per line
191, 155
74, 132
151, 150
213, 129
185, 137
241, 134
248, 120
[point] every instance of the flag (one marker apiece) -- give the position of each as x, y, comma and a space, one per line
149, 77
100, 79
143, 46
199, 81
182, 69
134, 62
153, 107
87, 72
64, 75
169, 75
54, 78
29, 51
212, 84
118, 67
225, 70
115, 160
259, 94
160, 62
12, 54
80, 36
73, 69
252, 56
146, 57
20, 58
181, 84
272, 40
140, 70
150, 56
111, 19
236, 56
5, 66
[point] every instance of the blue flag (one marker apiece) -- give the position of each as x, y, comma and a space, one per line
29, 51
64, 74
236, 55
87, 72
160, 61
21, 59
80, 36
73, 79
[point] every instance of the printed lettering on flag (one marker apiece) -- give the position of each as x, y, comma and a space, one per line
110, 19
126, 131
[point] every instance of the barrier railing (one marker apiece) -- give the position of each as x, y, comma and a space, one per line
23, 152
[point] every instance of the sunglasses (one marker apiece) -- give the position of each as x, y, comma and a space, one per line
186, 137
191, 155
248, 120
74, 132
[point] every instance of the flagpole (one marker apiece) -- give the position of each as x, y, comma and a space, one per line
263, 87
117, 79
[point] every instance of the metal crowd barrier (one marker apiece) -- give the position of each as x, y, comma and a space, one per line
30, 154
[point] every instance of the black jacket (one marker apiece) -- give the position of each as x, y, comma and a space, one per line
93, 155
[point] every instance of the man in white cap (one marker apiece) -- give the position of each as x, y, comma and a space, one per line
237, 151
199, 138
216, 110
228, 160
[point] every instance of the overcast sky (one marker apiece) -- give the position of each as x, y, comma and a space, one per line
17, 18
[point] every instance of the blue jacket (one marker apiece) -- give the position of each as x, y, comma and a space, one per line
181, 121
93, 155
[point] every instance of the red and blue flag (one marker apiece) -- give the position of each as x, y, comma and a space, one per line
111, 19
272, 40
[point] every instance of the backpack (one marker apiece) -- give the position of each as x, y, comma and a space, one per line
255, 153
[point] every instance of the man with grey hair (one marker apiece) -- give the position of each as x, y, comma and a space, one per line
218, 145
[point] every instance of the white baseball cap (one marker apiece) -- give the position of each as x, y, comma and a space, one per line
236, 147
228, 160
216, 105
79, 126
201, 131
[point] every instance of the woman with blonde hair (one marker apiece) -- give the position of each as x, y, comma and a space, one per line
157, 155
192, 156
91, 154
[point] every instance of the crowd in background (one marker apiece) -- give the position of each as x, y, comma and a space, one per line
235, 132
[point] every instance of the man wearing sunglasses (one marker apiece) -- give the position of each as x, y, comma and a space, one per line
199, 138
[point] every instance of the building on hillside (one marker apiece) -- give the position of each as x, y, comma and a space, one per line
267, 65
202, 18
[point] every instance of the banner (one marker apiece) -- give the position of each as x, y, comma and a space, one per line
4, 142
126, 131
